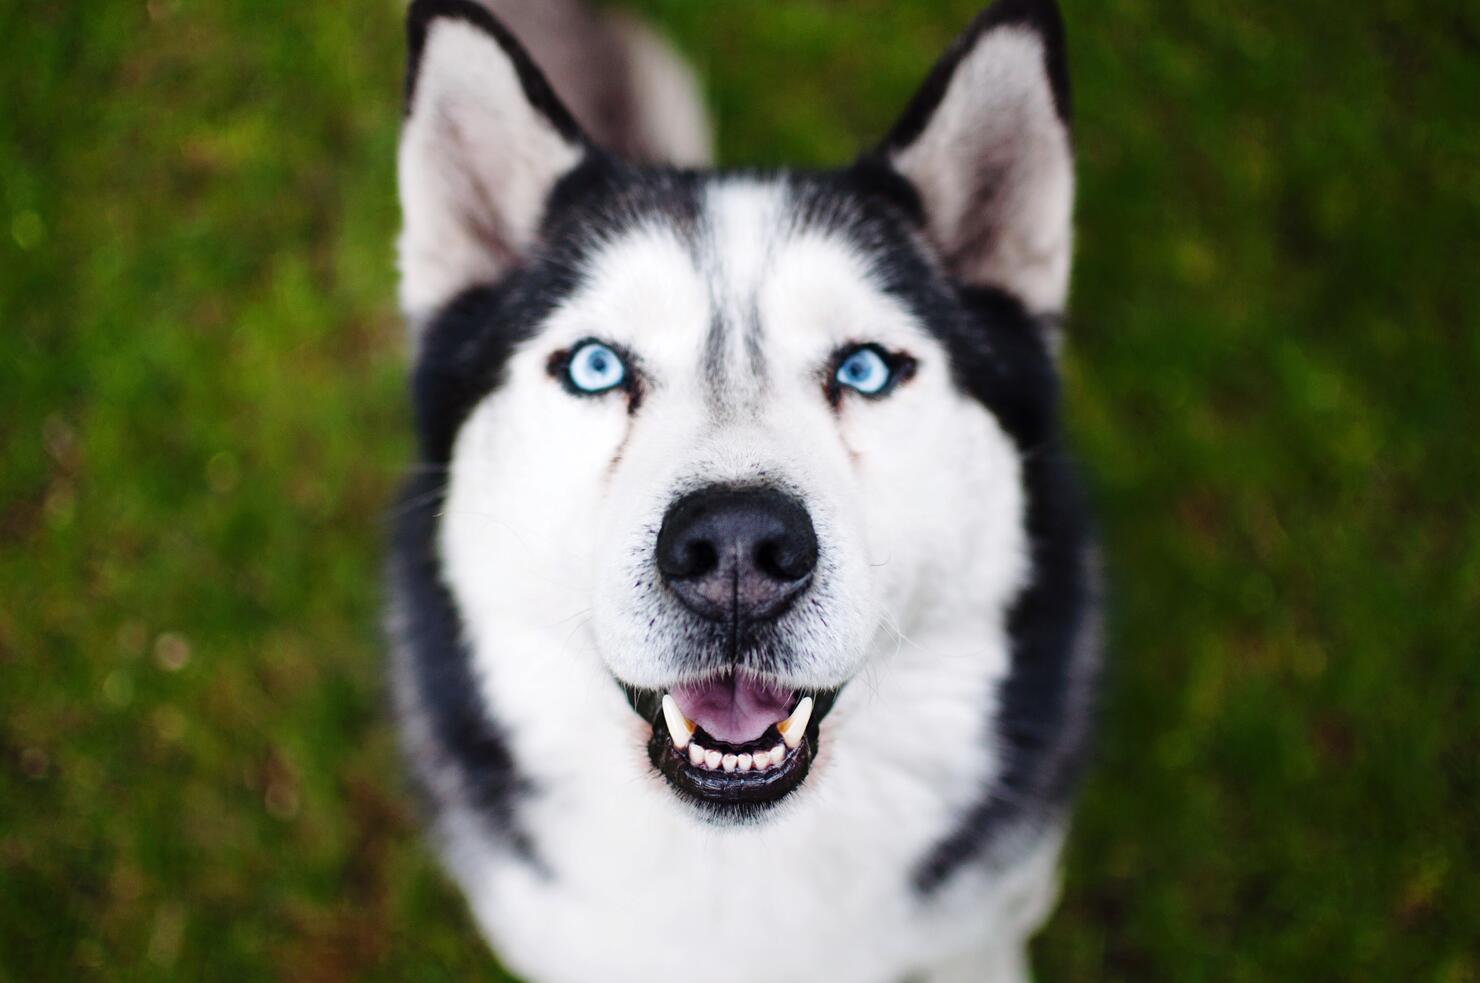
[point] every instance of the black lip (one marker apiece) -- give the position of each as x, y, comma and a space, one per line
730, 795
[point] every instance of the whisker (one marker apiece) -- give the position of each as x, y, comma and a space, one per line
405, 508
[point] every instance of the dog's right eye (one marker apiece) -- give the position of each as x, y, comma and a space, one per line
593, 368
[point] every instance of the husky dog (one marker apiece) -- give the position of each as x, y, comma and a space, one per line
742, 602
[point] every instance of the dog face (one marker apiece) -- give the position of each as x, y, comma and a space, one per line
721, 442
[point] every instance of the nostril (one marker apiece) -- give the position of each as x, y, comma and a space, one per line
699, 558
786, 560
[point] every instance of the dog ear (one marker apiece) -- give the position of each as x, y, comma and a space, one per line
483, 143
985, 144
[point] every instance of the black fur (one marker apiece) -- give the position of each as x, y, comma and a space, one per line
1046, 706
465, 738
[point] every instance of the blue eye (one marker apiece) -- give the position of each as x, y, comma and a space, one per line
865, 371
594, 368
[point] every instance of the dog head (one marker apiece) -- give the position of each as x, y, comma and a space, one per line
717, 441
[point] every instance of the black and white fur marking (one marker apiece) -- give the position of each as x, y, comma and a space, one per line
949, 627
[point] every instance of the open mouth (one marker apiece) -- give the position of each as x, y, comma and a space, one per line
733, 742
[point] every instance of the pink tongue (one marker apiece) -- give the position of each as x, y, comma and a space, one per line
733, 710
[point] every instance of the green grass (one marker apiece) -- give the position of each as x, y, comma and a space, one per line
1275, 342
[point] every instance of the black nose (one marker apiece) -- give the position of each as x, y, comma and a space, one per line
737, 555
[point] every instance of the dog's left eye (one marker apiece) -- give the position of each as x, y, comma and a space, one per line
865, 370
594, 368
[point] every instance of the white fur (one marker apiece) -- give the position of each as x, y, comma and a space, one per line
552, 508
475, 166
995, 170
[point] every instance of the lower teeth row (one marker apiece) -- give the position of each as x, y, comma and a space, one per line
681, 729
715, 761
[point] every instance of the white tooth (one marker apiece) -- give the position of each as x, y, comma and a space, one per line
793, 727
762, 761
712, 759
696, 754
679, 726
729, 761
743, 762
777, 753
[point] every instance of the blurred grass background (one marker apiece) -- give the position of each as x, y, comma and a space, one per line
1275, 343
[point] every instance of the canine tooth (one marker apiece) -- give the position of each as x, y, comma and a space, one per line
681, 728
712, 759
696, 754
793, 727
744, 761
777, 753
729, 761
